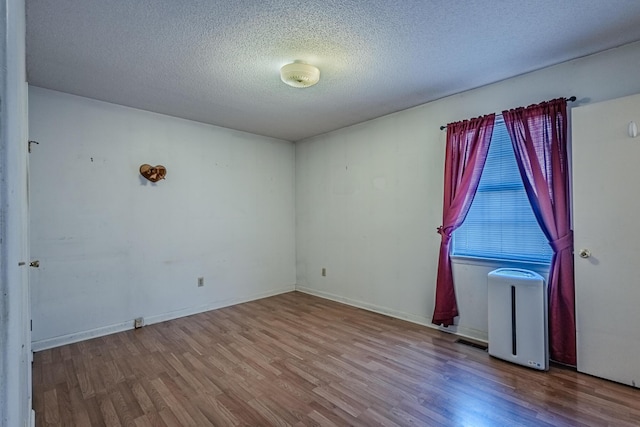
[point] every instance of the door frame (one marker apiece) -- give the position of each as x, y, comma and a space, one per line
15, 335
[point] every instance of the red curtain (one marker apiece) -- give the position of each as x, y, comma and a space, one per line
466, 152
539, 137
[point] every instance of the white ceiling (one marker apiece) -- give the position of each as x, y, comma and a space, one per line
218, 61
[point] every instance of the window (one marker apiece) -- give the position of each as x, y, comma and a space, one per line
500, 223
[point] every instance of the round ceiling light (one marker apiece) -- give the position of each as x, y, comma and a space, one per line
299, 74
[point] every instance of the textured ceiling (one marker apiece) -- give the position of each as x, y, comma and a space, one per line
218, 61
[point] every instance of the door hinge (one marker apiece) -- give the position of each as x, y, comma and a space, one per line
31, 325
32, 142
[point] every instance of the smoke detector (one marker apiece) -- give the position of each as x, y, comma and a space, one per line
299, 74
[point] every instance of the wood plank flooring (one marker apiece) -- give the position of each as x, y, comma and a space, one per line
299, 360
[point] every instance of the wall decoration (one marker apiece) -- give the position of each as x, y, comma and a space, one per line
153, 173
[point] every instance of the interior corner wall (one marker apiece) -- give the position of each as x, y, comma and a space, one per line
113, 246
369, 197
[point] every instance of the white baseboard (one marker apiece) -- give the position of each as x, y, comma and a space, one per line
420, 320
149, 320
213, 306
424, 321
48, 343
463, 332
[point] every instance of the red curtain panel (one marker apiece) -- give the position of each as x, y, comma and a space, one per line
539, 137
466, 153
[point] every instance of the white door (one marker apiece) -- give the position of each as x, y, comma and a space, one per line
606, 210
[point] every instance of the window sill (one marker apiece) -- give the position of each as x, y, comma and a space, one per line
538, 267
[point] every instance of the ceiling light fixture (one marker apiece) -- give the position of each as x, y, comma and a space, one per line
298, 74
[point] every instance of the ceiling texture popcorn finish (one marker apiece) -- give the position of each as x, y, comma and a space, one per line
218, 62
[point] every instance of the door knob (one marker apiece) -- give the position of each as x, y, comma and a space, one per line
34, 264
585, 253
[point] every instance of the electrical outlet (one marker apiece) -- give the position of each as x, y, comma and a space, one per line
324, 272
200, 281
138, 322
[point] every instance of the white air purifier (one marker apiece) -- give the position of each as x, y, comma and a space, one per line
518, 317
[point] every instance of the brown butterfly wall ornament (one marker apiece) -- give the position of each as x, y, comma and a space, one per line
153, 173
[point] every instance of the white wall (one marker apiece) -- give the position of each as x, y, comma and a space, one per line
15, 343
113, 246
369, 197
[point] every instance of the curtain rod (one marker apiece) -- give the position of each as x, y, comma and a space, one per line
571, 99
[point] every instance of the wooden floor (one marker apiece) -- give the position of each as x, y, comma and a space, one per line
300, 360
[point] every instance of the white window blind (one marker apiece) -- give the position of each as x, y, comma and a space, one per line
500, 223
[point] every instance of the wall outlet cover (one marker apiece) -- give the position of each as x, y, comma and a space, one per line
138, 322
